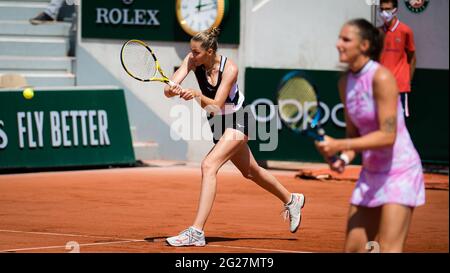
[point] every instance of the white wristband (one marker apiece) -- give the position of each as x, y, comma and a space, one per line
345, 158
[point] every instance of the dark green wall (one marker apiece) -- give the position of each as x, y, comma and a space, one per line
428, 123
428, 102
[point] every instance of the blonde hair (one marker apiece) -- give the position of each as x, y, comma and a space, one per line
208, 38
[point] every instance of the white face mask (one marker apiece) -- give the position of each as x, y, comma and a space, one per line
388, 15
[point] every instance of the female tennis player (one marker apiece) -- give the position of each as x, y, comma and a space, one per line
391, 182
220, 96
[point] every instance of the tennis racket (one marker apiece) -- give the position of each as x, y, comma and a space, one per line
140, 62
299, 107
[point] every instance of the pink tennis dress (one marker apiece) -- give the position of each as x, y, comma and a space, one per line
389, 175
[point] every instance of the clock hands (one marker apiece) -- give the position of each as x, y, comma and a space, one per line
198, 15
200, 6
212, 8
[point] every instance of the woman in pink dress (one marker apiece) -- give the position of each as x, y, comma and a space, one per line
391, 182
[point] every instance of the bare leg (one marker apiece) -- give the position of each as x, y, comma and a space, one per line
228, 145
394, 227
362, 227
246, 163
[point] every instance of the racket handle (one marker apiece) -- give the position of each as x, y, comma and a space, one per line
173, 84
320, 134
321, 137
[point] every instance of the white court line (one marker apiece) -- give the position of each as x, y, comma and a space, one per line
260, 5
64, 234
259, 249
121, 240
80, 245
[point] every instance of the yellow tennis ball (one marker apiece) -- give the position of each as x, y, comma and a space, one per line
28, 93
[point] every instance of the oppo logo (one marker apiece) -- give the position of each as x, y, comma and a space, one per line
302, 109
3, 136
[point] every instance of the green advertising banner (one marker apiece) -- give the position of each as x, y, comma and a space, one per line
154, 20
67, 128
428, 104
261, 89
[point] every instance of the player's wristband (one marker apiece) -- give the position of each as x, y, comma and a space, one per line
345, 158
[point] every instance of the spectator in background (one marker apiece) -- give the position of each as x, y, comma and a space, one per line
399, 50
50, 14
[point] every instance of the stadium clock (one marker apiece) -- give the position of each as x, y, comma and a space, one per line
198, 15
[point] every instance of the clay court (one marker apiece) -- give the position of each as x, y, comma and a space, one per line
132, 210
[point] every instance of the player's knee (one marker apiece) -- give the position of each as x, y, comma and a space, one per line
208, 167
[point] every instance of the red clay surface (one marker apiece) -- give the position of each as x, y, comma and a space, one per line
133, 210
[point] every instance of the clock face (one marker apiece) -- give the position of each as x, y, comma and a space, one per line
199, 15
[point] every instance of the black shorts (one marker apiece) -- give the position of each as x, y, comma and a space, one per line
241, 120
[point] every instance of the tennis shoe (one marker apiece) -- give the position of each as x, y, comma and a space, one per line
188, 237
41, 18
293, 211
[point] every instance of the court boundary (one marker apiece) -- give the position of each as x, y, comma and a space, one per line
121, 241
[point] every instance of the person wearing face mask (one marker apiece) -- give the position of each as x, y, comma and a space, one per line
399, 50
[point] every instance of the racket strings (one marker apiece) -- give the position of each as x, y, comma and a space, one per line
298, 90
139, 61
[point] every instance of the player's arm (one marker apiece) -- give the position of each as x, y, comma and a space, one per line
350, 129
410, 49
330, 146
229, 78
179, 76
385, 94
412, 62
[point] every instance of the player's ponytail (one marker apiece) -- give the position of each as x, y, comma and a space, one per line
214, 32
369, 32
208, 38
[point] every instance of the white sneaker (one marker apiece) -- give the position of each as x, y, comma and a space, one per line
293, 211
188, 237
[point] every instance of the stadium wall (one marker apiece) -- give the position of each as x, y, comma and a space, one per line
274, 35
